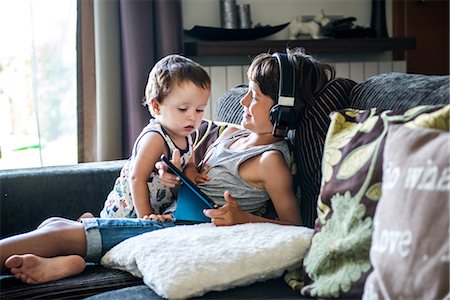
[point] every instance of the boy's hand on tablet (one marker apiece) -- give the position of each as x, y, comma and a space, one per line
228, 214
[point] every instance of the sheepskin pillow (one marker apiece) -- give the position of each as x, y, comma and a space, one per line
190, 260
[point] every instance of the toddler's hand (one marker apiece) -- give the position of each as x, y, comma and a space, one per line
167, 178
159, 218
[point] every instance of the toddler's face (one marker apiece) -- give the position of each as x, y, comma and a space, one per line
181, 112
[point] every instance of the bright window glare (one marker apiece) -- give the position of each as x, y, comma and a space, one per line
38, 107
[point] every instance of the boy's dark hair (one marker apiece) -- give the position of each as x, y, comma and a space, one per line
311, 75
170, 70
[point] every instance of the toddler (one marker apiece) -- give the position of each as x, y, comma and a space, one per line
176, 94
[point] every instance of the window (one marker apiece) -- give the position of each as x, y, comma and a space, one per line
38, 106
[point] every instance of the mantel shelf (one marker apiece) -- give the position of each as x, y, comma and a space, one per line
236, 48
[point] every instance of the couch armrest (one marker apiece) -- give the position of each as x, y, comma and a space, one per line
28, 196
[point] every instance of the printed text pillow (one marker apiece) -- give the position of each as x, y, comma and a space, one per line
410, 242
338, 263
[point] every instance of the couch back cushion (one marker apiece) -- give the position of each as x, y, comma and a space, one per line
397, 91
309, 140
229, 108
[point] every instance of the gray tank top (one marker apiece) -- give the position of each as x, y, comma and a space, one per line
225, 176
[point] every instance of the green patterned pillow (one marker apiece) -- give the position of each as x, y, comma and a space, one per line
338, 263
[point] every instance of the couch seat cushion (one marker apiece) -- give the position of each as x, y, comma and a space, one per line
94, 280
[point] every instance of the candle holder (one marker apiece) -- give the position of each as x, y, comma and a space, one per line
378, 18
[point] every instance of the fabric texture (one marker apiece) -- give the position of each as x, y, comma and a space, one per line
269, 289
223, 164
64, 191
119, 203
410, 244
229, 108
398, 91
204, 257
103, 234
309, 142
206, 135
150, 30
338, 263
95, 279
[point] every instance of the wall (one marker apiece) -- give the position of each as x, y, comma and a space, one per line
227, 72
274, 12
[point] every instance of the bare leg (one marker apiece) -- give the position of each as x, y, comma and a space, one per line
85, 215
34, 269
54, 237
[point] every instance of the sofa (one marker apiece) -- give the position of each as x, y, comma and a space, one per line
28, 196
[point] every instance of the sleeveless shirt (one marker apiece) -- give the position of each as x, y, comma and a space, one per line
119, 203
224, 172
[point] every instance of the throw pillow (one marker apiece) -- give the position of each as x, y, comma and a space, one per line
410, 242
229, 108
309, 141
187, 261
205, 135
338, 263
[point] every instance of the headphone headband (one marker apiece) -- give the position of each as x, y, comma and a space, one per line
282, 115
286, 84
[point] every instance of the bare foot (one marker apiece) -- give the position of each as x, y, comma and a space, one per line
34, 269
85, 215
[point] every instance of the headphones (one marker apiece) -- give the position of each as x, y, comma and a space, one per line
283, 114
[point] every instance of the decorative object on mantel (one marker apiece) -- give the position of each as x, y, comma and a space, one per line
244, 18
228, 14
312, 28
345, 28
225, 34
378, 18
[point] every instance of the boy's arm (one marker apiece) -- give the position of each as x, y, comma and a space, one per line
278, 187
278, 182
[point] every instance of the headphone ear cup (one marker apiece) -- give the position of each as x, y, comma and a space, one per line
283, 119
293, 118
274, 114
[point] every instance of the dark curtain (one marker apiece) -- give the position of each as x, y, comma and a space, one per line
150, 30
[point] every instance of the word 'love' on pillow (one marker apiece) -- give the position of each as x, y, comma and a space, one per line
186, 261
410, 244
338, 263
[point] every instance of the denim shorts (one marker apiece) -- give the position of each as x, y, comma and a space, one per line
103, 234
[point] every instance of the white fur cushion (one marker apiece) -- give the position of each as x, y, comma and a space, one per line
188, 261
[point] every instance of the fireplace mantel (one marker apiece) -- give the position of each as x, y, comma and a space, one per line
253, 47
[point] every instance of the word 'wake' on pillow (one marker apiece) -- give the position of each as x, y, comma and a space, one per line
338, 261
410, 245
187, 261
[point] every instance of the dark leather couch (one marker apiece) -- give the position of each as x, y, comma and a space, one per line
28, 196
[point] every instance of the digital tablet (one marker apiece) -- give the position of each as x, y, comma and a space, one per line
191, 201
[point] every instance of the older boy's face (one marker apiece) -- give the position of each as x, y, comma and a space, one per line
257, 108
